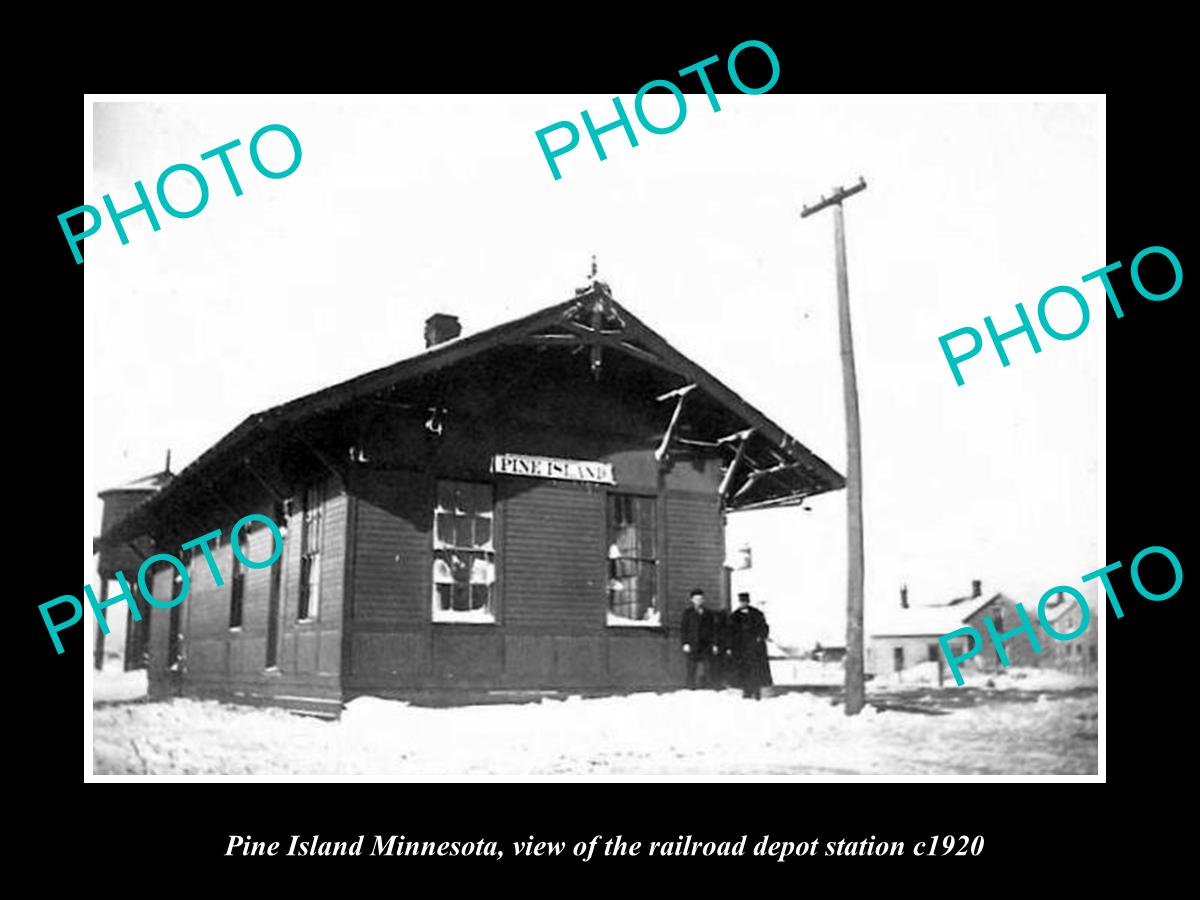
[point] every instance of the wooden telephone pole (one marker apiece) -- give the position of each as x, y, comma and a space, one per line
855, 690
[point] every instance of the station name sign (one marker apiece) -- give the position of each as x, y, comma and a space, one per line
549, 467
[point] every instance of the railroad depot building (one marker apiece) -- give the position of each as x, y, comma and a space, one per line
527, 507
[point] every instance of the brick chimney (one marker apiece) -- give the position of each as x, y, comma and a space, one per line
976, 588
440, 328
904, 596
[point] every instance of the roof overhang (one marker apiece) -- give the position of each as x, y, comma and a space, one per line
765, 466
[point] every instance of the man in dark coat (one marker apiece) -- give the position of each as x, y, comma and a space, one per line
748, 632
697, 634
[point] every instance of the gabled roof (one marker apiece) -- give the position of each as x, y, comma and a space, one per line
926, 621
780, 469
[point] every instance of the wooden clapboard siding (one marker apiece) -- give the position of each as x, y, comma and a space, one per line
230, 663
696, 550
393, 555
554, 560
209, 603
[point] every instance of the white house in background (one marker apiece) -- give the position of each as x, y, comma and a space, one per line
904, 636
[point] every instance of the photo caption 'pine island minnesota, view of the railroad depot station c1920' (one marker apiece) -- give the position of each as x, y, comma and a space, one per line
526, 507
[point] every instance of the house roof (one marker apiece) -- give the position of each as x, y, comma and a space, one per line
926, 621
776, 650
148, 484
1059, 607
776, 469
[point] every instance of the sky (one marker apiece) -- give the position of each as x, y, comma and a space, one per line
406, 206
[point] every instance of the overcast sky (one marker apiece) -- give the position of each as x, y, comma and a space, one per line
403, 207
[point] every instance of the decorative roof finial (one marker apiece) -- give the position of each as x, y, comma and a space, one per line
593, 283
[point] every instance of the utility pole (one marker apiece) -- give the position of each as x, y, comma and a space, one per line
855, 690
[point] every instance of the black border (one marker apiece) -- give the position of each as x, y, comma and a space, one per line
1147, 433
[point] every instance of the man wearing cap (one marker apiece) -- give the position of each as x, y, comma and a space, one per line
697, 636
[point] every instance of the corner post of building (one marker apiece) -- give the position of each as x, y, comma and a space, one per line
98, 650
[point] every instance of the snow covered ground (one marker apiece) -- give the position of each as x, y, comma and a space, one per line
806, 671
112, 686
674, 734
1006, 679
1015, 679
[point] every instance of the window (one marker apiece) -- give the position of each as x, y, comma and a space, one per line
632, 561
1092, 653
464, 556
312, 538
273, 598
137, 634
237, 590
897, 658
175, 641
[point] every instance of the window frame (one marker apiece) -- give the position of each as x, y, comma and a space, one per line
237, 592
489, 552
611, 619
313, 508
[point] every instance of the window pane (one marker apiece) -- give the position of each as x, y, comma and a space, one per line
302, 608
441, 568
480, 594
462, 531
460, 567
314, 587
646, 588
483, 532
624, 568
627, 540
444, 529
483, 570
622, 511
645, 520
445, 595
462, 599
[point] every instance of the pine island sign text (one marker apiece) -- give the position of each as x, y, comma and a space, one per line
550, 467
